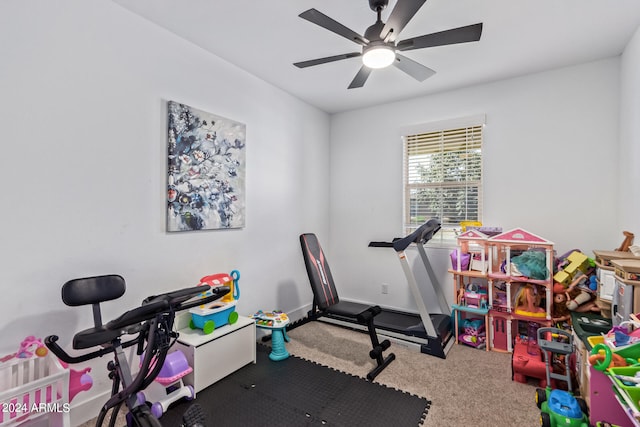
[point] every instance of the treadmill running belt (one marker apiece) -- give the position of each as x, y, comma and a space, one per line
411, 323
408, 324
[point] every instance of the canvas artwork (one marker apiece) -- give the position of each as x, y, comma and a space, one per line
206, 173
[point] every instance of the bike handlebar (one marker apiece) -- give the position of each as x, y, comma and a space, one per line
153, 306
52, 344
163, 303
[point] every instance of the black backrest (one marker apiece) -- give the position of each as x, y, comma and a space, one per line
322, 285
93, 290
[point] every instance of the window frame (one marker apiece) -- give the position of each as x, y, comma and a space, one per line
447, 236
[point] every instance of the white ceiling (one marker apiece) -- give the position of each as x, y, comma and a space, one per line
519, 37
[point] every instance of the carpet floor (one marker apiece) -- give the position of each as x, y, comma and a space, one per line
470, 387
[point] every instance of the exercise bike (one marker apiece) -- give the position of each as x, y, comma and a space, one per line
151, 324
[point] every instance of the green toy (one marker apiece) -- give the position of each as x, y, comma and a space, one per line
559, 407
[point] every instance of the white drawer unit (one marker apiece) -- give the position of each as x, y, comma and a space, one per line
626, 301
606, 283
605, 271
214, 356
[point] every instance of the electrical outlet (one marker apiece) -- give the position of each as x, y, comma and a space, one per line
385, 289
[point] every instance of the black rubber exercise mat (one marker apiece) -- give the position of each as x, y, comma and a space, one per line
296, 392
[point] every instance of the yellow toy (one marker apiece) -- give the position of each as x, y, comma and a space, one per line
527, 302
578, 262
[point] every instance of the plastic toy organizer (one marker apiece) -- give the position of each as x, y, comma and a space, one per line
630, 392
34, 392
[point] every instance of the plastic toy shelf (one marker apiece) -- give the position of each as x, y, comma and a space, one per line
474, 333
470, 287
468, 273
482, 311
517, 279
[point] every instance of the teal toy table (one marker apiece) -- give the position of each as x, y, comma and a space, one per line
277, 322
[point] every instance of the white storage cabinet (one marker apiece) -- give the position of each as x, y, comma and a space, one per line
216, 355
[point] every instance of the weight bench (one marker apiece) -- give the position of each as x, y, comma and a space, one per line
326, 301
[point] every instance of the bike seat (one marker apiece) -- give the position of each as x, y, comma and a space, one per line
94, 336
126, 323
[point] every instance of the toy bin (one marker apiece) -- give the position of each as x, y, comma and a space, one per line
212, 317
632, 391
34, 392
595, 339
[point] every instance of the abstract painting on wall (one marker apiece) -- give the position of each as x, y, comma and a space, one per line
206, 173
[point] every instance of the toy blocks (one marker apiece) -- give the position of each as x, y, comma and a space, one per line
577, 262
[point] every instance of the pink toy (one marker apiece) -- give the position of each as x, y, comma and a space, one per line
42, 385
31, 345
500, 331
526, 365
474, 333
475, 296
78, 380
43, 382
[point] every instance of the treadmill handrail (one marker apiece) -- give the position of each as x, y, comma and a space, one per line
423, 234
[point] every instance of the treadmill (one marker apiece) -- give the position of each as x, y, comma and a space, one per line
428, 333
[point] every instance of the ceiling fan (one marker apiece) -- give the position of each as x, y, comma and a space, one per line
379, 46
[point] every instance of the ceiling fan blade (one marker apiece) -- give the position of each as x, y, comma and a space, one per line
312, 62
470, 33
360, 78
413, 68
400, 16
319, 18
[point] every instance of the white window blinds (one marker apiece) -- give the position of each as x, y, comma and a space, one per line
443, 177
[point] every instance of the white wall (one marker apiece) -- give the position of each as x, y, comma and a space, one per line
550, 167
84, 86
628, 161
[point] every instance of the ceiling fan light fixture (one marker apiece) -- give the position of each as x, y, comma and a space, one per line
380, 56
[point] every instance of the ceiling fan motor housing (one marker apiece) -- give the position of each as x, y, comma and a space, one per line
376, 5
373, 32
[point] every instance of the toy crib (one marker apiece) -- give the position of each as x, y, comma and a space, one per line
168, 386
34, 391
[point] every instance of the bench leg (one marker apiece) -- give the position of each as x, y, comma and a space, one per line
378, 347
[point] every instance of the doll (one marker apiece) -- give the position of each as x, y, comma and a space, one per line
527, 302
560, 312
572, 298
579, 299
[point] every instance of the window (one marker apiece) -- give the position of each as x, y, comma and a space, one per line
443, 178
